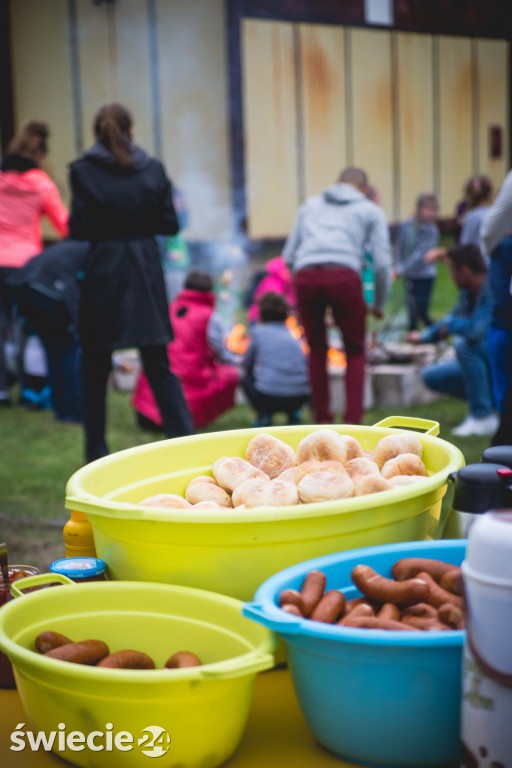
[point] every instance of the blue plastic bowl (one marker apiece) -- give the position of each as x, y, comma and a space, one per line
374, 697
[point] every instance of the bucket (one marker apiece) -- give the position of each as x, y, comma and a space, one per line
234, 551
194, 716
373, 697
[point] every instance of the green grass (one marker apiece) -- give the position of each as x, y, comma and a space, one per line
38, 455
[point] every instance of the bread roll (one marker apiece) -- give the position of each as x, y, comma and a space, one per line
230, 471
207, 505
324, 486
202, 479
322, 445
354, 450
165, 500
269, 493
393, 445
290, 475
398, 481
404, 464
365, 484
197, 492
270, 455
295, 474
360, 467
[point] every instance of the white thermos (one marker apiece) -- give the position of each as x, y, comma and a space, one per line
486, 721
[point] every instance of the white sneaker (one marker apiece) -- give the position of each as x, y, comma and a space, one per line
477, 426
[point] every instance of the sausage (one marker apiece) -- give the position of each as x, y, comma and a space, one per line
46, 641
452, 615
389, 611
127, 660
351, 605
329, 608
436, 595
383, 590
88, 652
452, 581
293, 609
182, 659
312, 590
409, 567
426, 623
421, 609
291, 597
362, 610
373, 622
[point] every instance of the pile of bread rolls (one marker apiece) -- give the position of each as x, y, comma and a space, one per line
325, 467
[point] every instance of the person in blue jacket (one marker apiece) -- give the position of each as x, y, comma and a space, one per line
468, 375
499, 334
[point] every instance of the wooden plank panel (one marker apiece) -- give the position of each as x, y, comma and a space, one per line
322, 79
131, 59
415, 119
455, 128
492, 62
372, 110
42, 79
270, 127
114, 63
94, 62
192, 73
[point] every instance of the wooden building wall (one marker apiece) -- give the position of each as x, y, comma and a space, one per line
414, 110
164, 59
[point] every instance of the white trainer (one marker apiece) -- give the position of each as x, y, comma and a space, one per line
487, 425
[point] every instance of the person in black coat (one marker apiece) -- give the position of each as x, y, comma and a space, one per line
121, 198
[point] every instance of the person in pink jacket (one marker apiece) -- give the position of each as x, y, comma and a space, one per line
197, 356
276, 279
27, 195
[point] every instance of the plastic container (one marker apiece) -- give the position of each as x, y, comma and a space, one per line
78, 536
374, 697
202, 709
80, 569
232, 552
487, 680
478, 488
498, 454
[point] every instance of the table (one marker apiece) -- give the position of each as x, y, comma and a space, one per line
276, 735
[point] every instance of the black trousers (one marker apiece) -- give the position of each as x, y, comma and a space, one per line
96, 366
271, 403
503, 435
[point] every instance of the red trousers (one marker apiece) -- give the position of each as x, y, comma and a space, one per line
340, 289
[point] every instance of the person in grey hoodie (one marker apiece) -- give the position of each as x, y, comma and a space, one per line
325, 252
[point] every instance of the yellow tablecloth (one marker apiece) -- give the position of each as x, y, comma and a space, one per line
276, 736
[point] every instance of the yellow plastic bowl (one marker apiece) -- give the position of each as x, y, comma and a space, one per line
202, 709
234, 551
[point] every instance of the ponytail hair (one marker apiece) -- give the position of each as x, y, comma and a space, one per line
112, 127
478, 190
31, 140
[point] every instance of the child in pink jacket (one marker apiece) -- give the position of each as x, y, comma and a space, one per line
197, 356
277, 279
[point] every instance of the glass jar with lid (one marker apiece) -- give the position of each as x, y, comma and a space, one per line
15, 572
80, 569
